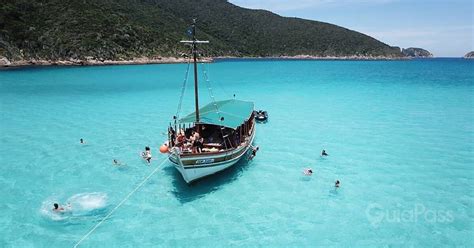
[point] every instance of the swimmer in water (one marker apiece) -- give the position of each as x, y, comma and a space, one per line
82, 141
308, 172
337, 184
323, 153
57, 208
254, 152
116, 162
147, 154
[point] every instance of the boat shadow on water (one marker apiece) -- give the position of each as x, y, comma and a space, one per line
200, 188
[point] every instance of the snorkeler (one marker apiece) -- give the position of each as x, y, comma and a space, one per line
323, 153
57, 208
337, 184
308, 171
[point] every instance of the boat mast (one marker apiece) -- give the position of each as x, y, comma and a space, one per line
196, 93
194, 43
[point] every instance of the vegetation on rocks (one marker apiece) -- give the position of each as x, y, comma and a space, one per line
125, 29
415, 52
469, 55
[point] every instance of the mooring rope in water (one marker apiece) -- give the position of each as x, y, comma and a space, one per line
120, 204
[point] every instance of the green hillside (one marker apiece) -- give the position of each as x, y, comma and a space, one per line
113, 29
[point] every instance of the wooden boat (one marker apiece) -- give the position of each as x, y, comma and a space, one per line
226, 130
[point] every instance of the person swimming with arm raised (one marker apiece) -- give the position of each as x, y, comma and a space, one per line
147, 154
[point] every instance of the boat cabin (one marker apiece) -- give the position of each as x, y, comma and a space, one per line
223, 126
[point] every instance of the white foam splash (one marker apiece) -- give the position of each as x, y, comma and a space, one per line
83, 204
88, 201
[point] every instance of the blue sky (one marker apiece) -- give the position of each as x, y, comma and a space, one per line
445, 28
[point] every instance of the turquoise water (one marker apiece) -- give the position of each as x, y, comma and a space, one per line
400, 138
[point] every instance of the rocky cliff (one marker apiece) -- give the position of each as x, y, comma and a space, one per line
415, 52
469, 55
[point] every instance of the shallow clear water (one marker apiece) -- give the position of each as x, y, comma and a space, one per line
400, 138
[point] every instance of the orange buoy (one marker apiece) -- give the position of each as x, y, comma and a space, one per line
163, 148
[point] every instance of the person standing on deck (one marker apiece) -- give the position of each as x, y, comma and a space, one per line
195, 141
172, 134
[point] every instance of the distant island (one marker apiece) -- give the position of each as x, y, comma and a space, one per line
414, 52
469, 55
127, 31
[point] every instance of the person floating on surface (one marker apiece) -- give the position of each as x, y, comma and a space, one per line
308, 171
57, 208
254, 152
337, 184
323, 153
116, 162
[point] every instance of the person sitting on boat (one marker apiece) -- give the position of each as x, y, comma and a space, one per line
180, 140
196, 135
254, 152
192, 140
199, 144
308, 171
323, 153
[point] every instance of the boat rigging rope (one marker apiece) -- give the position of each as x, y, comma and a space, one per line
208, 83
120, 204
218, 83
183, 89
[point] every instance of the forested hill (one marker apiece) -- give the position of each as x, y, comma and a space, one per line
121, 29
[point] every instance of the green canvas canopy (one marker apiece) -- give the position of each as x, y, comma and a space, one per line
234, 113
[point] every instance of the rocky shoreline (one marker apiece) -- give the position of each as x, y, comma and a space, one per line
311, 57
4, 62
469, 55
